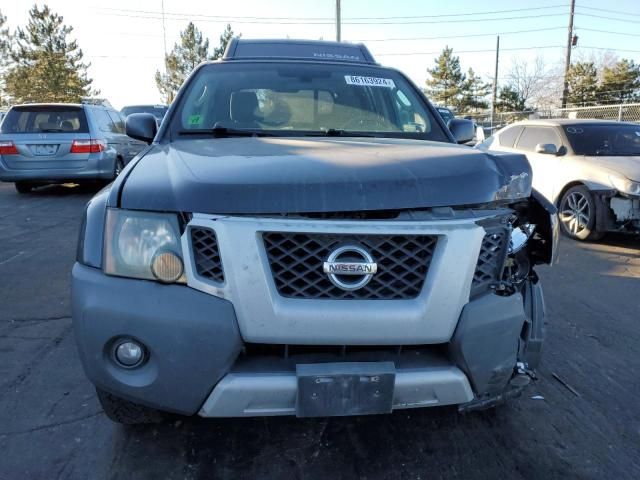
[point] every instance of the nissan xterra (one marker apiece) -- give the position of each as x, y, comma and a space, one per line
304, 236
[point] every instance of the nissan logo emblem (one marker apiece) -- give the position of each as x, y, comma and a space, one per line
350, 261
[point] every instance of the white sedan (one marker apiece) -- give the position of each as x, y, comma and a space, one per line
590, 169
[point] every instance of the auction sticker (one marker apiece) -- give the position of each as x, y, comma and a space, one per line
369, 81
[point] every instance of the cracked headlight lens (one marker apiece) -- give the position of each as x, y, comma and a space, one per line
134, 239
624, 185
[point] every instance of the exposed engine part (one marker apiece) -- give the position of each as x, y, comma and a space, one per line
516, 268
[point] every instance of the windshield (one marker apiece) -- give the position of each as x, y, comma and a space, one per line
45, 119
304, 99
604, 140
157, 111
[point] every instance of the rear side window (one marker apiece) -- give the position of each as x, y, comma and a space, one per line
105, 124
532, 136
117, 120
45, 119
508, 137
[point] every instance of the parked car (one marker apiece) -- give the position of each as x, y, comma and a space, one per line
589, 168
158, 111
2, 114
446, 114
58, 143
291, 244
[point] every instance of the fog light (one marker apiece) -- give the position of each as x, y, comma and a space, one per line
167, 267
129, 353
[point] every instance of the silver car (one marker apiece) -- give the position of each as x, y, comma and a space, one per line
589, 168
58, 143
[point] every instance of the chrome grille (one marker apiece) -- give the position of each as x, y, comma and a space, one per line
206, 254
490, 261
296, 261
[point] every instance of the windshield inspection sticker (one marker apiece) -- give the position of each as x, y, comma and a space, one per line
369, 81
195, 119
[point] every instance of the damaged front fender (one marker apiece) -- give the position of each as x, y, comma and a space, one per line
545, 215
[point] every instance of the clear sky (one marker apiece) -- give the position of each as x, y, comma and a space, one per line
123, 39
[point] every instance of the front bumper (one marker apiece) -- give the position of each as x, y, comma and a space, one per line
196, 363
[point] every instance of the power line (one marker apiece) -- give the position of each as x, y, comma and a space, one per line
469, 51
270, 21
458, 36
408, 17
608, 31
510, 49
626, 14
606, 18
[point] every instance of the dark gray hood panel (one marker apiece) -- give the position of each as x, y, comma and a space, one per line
297, 175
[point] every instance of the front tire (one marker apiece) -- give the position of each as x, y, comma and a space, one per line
577, 214
125, 412
23, 187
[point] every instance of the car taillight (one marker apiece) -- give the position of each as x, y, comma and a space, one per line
88, 146
8, 148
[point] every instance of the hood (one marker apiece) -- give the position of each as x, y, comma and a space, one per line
629, 166
296, 175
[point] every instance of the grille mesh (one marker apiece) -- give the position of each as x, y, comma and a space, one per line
206, 254
296, 261
490, 260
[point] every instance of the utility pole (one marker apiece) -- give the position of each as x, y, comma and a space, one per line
495, 82
164, 30
338, 20
567, 60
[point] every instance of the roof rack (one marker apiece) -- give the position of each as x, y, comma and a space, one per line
242, 49
100, 102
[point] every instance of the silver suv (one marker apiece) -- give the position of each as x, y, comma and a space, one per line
57, 143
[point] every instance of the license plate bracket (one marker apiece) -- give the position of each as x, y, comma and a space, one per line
348, 388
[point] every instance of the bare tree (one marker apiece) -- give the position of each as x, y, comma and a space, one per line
528, 79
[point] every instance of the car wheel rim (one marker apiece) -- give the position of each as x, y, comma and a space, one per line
575, 213
118, 168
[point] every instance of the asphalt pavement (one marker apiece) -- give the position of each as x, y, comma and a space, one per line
581, 419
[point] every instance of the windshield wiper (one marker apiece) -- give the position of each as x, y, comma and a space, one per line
220, 131
337, 132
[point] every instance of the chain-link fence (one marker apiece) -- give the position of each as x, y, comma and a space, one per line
627, 112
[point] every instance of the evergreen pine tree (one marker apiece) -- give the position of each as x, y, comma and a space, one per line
446, 84
46, 65
192, 50
620, 83
583, 84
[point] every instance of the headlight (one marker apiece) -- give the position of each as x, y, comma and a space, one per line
143, 245
624, 185
519, 237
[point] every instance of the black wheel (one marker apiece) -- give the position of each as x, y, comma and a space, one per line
577, 214
118, 168
23, 187
126, 412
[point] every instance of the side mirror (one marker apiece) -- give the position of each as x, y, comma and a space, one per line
547, 149
462, 130
141, 126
